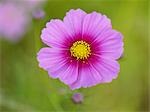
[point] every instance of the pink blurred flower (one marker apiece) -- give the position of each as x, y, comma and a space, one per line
38, 14
83, 49
77, 98
13, 21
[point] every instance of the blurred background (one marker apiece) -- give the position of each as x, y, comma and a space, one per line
27, 88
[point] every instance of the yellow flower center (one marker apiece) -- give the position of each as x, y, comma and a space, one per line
80, 50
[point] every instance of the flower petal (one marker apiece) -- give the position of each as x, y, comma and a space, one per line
69, 75
55, 33
88, 76
74, 21
111, 44
94, 24
57, 65
107, 68
50, 58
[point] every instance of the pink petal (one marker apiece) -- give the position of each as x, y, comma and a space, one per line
58, 68
107, 68
74, 20
70, 74
111, 44
95, 23
57, 65
55, 33
88, 76
50, 58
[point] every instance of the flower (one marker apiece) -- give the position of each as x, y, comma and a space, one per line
38, 14
13, 21
77, 98
82, 49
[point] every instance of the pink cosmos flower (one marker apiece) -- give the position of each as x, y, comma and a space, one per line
13, 21
82, 49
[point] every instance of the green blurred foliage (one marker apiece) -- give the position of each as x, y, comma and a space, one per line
27, 88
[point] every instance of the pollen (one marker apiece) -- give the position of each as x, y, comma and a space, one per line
80, 50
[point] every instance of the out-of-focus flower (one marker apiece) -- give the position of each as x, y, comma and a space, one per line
83, 49
13, 21
77, 98
38, 14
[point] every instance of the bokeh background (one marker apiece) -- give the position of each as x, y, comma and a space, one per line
27, 88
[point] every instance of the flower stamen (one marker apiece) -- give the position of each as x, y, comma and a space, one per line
80, 50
